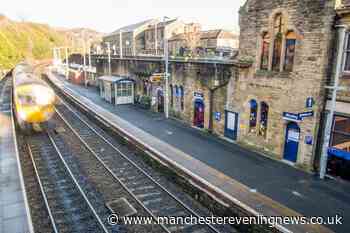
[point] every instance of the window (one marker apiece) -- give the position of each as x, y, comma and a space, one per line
253, 115
171, 95
124, 89
347, 55
263, 119
341, 133
277, 45
290, 51
265, 52
176, 92
338, 160
182, 96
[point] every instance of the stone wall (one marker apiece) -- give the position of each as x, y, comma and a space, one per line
283, 91
192, 77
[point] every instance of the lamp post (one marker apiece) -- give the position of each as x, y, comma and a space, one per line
120, 44
67, 66
166, 60
109, 58
84, 61
156, 38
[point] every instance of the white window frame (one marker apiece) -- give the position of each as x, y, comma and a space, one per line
347, 37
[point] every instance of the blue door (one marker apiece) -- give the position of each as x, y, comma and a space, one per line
292, 142
231, 125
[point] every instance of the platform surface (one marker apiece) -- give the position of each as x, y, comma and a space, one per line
13, 210
267, 186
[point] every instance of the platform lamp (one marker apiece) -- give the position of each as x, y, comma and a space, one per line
166, 60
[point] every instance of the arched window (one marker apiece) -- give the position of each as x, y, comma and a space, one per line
264, 117
182, 98
265, 51
171, 95
277, 45
176, 92
253, 115
290, 51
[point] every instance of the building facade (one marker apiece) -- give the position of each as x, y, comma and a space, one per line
275, 105
339, 142
204, 43
132, 37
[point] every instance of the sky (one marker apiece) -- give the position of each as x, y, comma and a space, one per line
109, 15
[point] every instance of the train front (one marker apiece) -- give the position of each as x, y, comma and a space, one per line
34, 103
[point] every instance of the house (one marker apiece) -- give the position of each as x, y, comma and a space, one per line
133, 39
204, 43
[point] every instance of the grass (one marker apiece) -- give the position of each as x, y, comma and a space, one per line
19, 40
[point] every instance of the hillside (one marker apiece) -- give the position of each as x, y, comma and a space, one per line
19, 40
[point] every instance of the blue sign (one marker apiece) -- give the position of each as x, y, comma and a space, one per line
297, 116
198, 95
218, 116
306, 114
310, 102
291, 116
309, 140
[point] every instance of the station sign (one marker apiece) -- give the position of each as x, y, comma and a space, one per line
291, 116
306, 114
157, 77
297, 116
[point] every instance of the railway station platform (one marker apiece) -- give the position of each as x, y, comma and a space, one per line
262, 185
14, 211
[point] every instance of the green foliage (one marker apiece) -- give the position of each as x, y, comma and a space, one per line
26, 40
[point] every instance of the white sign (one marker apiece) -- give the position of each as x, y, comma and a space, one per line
293, 136
231, 121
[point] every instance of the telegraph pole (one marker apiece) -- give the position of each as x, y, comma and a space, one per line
334, 90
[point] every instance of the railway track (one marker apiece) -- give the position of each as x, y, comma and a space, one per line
68, 207
5, 94
148, 193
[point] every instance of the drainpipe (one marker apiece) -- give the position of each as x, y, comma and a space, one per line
211, 102
334, 89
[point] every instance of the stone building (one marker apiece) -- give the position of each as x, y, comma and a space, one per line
275, 105
204, 43
154, 34
339, 143
132, 36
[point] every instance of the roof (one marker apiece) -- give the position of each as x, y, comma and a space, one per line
131, 27
211, 34
114, 79
161, 24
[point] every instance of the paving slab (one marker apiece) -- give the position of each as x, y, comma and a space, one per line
14, 211
241, 173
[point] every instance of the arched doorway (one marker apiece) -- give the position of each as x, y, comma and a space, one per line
160, 100
291, 145
198, 119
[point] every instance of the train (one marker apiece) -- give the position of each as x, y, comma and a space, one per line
33, 100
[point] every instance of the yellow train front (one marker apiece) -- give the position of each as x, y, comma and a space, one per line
34, 100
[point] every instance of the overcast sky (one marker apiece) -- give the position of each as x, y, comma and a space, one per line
108, 15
